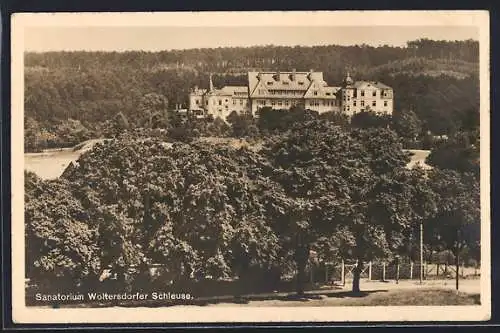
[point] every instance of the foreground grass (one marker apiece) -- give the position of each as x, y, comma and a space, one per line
422, 297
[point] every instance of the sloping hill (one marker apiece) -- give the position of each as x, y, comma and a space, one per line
458, 69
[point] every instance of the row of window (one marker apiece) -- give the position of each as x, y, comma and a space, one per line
287, 92
287, 102
383, 93
324, 103
242, 101
270, 83
262, 102
374, 103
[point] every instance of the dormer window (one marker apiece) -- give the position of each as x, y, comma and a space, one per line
285, 82
315, 93
301, 83
269, 83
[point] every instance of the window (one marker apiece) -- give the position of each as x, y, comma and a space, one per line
354, 103
280, 103
241, 102
362, 93
220, 102
273, 102
315, 93
362, 103
226, 106
301, 83
234, 102
269, 83
287, 103
197, 102
327, 94
385, 103
374, 103
286, 83
226, 101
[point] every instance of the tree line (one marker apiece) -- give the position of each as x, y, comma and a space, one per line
208, 211
80, 91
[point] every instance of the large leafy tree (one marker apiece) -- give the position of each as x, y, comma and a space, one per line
153, 110
407, 124
61, 241
197, 209
456, 224
349, 190
460, 153
370, 119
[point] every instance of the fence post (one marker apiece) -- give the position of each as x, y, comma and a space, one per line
343, 273
383, 271
397, 272
370, 271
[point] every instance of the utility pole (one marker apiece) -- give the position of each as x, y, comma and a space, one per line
421, 252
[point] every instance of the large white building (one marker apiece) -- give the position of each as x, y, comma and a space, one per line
282, 90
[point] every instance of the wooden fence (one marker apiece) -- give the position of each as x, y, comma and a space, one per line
382, 271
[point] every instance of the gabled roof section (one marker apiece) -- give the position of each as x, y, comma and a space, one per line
370, 84
260, 86
234, 89
284, 80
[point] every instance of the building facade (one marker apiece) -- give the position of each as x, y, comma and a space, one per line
283, 90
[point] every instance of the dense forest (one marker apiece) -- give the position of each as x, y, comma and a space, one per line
72, 96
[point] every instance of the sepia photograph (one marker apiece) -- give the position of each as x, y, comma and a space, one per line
250, 167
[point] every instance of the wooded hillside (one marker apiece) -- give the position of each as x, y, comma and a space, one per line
77, 92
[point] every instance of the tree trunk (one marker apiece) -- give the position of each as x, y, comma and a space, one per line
356, 277
301, 257
301, 267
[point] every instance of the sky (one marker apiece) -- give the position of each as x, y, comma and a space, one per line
150, 38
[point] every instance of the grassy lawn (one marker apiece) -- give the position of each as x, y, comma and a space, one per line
374, 298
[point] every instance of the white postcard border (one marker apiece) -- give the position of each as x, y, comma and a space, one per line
193, 314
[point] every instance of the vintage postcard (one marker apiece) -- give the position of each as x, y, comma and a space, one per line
204, 167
